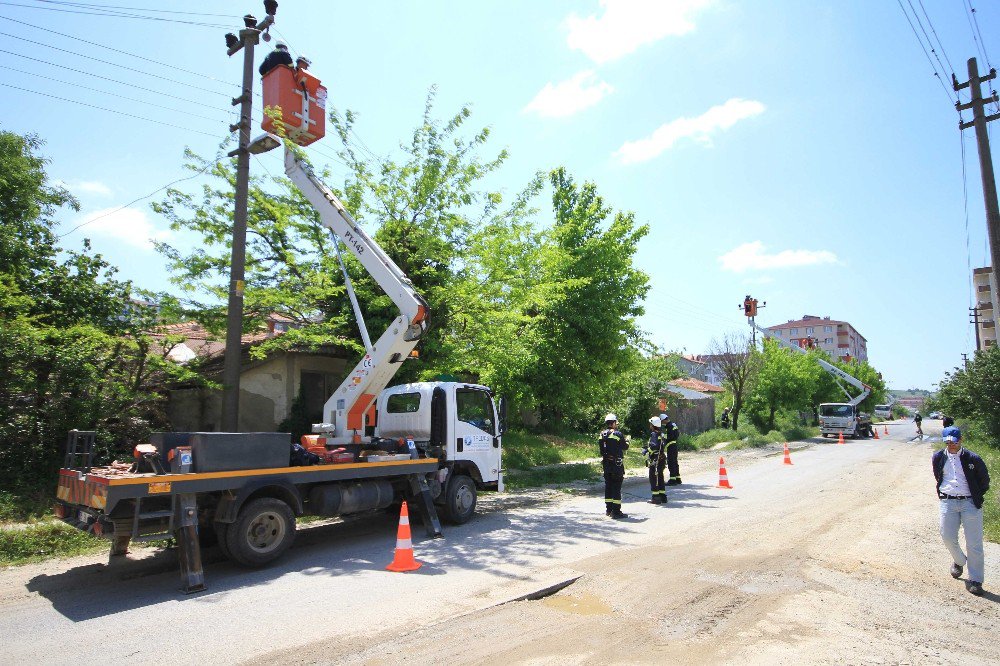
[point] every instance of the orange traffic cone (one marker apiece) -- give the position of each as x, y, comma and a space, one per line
403, 560
886, 431
723, 477
788, 455
840, 438
875, 432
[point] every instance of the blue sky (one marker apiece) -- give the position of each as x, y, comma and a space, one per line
801, 151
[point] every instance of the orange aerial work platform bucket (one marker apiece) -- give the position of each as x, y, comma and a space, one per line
302, 100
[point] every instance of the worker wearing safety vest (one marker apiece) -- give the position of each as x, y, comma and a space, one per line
612, 445
670, 433
656, 460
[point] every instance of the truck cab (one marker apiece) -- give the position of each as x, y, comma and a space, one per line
883, 411
841, 418
458, 423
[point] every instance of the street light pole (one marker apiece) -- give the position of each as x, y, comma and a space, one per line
248, 38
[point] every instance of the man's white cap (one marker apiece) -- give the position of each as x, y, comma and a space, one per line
663, 416
655, 421
610, 417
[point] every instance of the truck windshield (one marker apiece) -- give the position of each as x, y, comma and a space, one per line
475, 408
403, 403
843, 411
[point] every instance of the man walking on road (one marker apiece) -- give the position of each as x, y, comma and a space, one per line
656, 460
613, 445
670, 433
962, 480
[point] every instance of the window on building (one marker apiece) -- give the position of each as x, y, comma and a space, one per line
794, 331
810, 330
828, 341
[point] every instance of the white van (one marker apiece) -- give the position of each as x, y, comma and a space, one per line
883, 411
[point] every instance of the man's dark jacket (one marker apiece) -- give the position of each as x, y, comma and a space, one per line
976, 474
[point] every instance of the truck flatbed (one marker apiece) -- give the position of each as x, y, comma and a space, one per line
102, 488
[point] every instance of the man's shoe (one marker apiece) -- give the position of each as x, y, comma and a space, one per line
674, 482
956, 571
975, 588
618, 515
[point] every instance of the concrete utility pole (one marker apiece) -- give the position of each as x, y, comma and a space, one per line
248, 38
979, 120
974, 313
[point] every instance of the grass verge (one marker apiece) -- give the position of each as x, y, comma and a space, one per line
991, 503
548, 475
524, 450
43, 541
747, 436
26, 505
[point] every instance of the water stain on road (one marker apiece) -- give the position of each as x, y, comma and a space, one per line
581, 604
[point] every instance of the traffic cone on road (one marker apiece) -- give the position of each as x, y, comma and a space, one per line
886, 431
840, 438
723, 477
875, 432
788, 455
403, 560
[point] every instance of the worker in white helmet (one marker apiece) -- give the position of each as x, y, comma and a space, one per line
656, 460
612, 444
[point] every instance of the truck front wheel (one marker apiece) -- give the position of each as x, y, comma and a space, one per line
460, 500
263, 532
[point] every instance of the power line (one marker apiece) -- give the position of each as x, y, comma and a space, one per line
926, 36
966, 5
137, 200
934, 32
114, 64
109, 48
121, 113
105, 78
114, 15
926, 54
88, 5
187, 114
975, 23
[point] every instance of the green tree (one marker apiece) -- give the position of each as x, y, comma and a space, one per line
785, 382
583, 312
973, 392
72, 353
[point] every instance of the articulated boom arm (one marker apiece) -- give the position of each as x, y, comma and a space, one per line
829, 367
344, 412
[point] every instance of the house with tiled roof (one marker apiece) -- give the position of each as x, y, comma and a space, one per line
268, 385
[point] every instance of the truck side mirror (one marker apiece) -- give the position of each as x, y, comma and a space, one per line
502, 407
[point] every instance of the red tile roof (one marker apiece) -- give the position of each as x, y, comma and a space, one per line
697, 385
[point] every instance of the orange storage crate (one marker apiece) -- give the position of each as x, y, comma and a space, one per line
302, 99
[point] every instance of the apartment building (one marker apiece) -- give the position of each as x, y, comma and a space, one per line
838, 338
987, 332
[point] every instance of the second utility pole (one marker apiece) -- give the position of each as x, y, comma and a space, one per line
979, 120
249, 37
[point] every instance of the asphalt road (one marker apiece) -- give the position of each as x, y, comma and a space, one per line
833, 559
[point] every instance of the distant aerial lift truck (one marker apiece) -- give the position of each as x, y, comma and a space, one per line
835, 418
240, 487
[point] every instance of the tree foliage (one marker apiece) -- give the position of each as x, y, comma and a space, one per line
785, 381
543, 314
973, 392
72, 353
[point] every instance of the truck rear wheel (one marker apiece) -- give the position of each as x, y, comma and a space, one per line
263, 532
460, 500
222, 537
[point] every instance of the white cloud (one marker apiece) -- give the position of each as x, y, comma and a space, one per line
567, 97
626, 25
753, 257
700, 128
87, 187
130, 226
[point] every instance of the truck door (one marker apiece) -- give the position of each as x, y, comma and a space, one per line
476, 434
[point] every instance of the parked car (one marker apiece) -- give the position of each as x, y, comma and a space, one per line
934, 415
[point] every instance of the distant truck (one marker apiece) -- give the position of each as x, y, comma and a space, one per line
841, 418
883, 411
